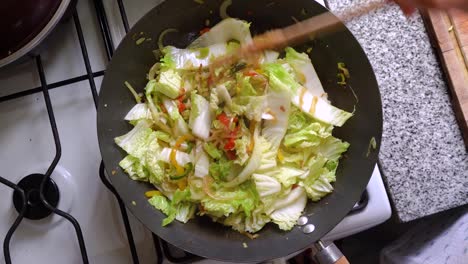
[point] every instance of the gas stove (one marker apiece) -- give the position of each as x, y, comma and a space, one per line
47, 109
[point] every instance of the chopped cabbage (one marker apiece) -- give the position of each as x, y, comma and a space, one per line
169, 83
287, 215
200, 117
280, 80
202, 162
250, 106
180, 127
305, 71
136, 141
319, 108
266, 185
191, 59
134, 168
279, 105
246, 144
226, 30
138, 112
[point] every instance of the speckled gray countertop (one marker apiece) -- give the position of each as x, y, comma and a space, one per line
423, 158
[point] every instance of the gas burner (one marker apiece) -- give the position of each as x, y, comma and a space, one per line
36, 209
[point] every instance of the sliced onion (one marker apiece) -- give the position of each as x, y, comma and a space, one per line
251, 236
292, 197
207, 181
134, 93
196, 187
157, 119
223, 9
153, 71
161, 37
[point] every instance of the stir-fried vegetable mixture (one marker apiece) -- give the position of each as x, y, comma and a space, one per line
245, 144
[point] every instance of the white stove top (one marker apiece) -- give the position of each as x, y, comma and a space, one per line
28, 147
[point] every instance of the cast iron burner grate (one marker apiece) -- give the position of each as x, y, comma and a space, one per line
35, 208
22, 194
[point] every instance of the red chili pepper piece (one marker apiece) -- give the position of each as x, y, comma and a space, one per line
231, 154
250, 73
203, 31
224, 119
180, 103
182, 107
230, 144
164, 110
209, 81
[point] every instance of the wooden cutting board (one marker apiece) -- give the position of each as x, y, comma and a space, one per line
449, 35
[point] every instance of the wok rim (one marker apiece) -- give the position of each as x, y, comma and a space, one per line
176, 235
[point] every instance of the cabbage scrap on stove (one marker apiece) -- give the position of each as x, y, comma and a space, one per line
245, 144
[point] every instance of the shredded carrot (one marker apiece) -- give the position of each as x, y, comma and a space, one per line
150, 194
179, 169
182, 184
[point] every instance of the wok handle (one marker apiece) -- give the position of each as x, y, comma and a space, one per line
328, 254
342, 260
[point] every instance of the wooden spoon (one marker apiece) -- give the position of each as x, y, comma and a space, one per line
296, 33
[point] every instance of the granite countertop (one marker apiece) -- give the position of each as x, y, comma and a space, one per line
423, 158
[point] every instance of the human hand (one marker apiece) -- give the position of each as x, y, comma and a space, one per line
409, 6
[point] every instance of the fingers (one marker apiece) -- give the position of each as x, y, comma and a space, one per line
409, 6
458, 4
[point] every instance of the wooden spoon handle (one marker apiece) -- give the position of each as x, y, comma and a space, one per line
325, 22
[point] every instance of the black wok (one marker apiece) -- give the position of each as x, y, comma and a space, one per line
201, 236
